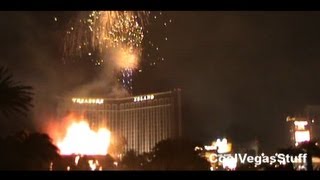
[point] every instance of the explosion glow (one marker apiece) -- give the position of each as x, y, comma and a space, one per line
80, 139
112, 36
101, 31
101, 34
127, 59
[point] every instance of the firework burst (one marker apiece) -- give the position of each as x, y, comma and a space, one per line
116, 36
101, 31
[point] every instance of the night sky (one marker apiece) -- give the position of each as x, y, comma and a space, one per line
241, 73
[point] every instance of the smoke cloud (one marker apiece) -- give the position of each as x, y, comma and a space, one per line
37, 61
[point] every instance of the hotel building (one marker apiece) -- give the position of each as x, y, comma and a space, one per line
141, 121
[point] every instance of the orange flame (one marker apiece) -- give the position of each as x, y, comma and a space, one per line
80, 139
73, 135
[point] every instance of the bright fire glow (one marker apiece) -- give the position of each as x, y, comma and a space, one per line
80, 139
302, 136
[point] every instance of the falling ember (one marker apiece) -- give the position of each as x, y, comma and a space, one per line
104, 29
80, 139
118, 37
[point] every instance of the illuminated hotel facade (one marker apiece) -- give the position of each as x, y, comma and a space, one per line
141, 121
300, 130
306, 126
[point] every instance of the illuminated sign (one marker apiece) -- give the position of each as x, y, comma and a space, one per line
87, 101
143, 98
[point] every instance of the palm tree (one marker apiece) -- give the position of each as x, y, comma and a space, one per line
28, 151
14, 97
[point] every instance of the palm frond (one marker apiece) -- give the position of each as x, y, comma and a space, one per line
14, 97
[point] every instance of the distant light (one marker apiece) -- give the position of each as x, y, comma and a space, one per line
140, 70
55, 19
197, 148
89, 54
312, 121
209, 148
230, 163
221, 145
302, 136
300, 125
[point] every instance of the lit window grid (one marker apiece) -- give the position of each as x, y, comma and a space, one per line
142, 124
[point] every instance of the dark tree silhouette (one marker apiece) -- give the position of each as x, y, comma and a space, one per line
312, 150
14, 97
306, 147
25, 151
292, 151
132, 161
178, 154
